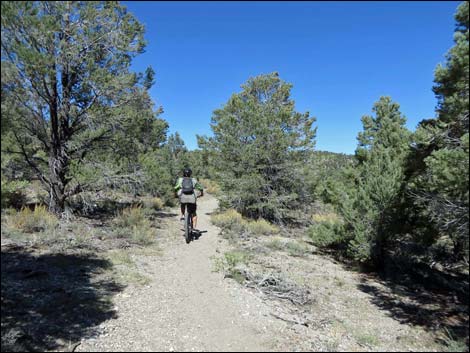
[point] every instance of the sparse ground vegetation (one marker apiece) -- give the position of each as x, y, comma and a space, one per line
350, 252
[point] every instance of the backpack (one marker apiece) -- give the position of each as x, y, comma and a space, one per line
187, 186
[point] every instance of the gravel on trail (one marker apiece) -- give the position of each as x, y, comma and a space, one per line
187, 306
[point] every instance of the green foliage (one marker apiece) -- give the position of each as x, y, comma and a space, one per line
69, 95
368, 198
157, 175
439, 180
230, 263
322, 170
201, 162
326, 234
256, 180
13, 193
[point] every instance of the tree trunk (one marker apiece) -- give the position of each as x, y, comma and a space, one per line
58, 158
58, 165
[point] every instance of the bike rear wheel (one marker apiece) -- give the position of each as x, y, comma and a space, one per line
187, 226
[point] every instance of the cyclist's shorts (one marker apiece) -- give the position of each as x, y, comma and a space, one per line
191, 208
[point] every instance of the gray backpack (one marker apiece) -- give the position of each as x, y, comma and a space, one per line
187, 186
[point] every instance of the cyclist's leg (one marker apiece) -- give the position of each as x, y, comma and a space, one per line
192, 209
183, 207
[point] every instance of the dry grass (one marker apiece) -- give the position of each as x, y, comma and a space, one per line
329, 217
276, 244
295, 248
154, 203
125, 269
262, 227
30, 221
143, 234
132, 223
231, 220
130, 216
210, 186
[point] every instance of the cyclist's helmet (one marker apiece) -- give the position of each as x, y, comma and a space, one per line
187, 172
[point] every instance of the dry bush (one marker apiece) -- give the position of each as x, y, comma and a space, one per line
30, 221
154, 203
129, 217
210, 186
329, 217
230, 220
233, 221
262, 227
143, 234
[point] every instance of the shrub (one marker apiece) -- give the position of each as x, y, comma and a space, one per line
229, 264
130, 216
276, 244
329, 217
13, 193
154, 203
82, 234
30, 221
326, 234
295, 248
143, 234
230, 220
133, 224
233, 221
210, 186
262, 227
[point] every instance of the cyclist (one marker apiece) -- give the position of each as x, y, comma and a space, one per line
185, 189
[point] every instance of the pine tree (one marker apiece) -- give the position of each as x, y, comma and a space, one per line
368, 203
69, 64
258, 145
439, 169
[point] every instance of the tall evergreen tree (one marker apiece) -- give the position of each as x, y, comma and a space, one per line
70, 68
368, 204
259, 142
439, 169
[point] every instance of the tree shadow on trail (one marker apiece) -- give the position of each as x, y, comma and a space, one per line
51, 301
420, 304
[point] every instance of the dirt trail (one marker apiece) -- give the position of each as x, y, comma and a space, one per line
187, 306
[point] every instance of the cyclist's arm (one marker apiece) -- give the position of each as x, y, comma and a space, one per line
178, 186
200, 188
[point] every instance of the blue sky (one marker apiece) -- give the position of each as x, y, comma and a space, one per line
339, 56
